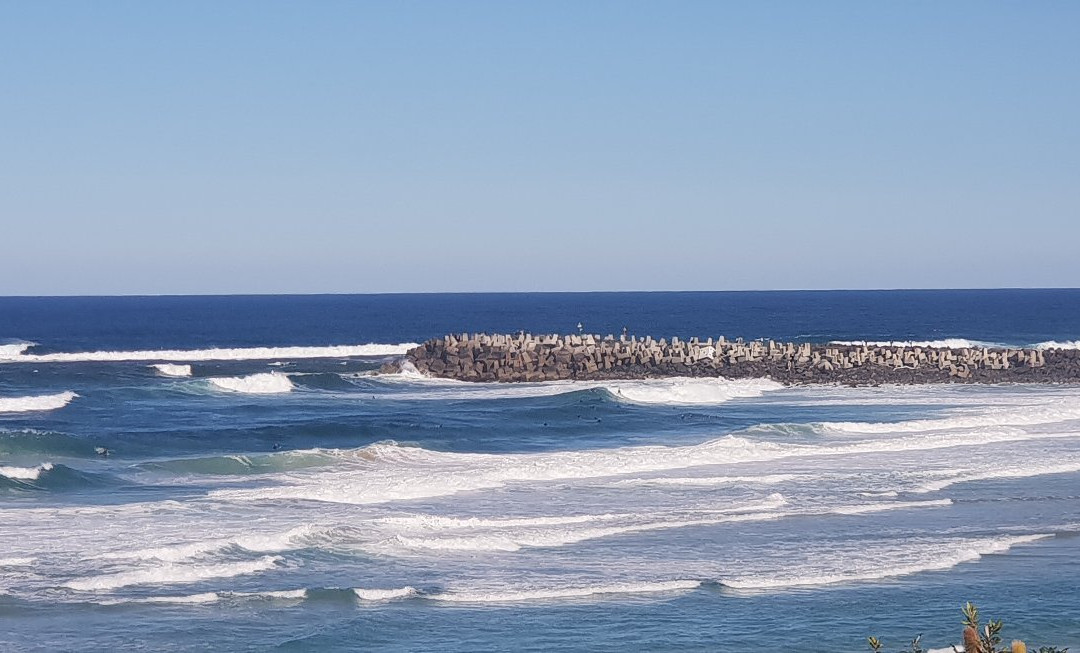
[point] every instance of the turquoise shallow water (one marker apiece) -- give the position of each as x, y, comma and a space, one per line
291, 500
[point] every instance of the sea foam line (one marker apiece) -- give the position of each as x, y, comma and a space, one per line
511, 540
173, 573
1061, 410
294, 538
956, 476
36, 402
13, 354
963, 551
212, 597
539, 594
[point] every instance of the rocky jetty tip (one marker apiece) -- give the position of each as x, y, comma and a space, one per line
529, 358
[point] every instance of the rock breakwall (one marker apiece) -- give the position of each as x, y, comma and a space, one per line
527, 357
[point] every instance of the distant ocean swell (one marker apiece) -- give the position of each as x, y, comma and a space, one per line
17, 353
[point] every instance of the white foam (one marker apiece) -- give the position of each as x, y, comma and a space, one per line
685, 391
188, 355
557, 537
35, 402
12, 350
669, 390
25, 473
933, 558
261, 383
172, 369
542, 594
16, 562
440, 522
508, 535
1055, 344
954, 476
173, 573
385, 472
256, 542
205, 597
408, 371
211, 597
768, 479
383, 594
945, 343
882, 507
1060, 410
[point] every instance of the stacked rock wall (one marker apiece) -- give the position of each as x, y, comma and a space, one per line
527, 357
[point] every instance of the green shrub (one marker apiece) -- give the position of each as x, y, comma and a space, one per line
977, 638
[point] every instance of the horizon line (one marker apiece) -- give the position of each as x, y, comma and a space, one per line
523, 292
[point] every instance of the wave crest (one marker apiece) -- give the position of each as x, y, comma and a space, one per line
173, 573
25, 473
259, 384
172, 369
685, 391
384, 595
36, 402
538, 594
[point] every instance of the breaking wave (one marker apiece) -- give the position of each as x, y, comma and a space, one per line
17, 353
171, 573
35, 402
540, 594
25, 473
939, 557
260, 384
1055, 344
945, 343
257, 543
664, 391
244, 464
1061, 410
502, 595
527, 534
10, 350
172, 369
953, 477
386, 471
213, 597
684, 391
384, 594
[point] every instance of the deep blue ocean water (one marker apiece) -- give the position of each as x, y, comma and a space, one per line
226, 497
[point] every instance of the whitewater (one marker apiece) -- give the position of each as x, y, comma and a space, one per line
228, 476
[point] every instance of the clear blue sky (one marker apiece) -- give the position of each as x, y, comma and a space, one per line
218, 147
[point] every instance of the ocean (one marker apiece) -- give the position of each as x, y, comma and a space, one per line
229, 473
